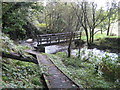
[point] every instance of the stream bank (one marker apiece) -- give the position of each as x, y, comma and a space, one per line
101, 46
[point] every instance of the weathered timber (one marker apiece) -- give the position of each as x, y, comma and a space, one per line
55, 78
51, 39
19, 57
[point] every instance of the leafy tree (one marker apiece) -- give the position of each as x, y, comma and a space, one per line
15, 18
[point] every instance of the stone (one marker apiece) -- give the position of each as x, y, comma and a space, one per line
29, 40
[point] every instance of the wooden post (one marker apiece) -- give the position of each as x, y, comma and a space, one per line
40, 40
50, 39
66, 36
37, 39
47, 39
73, 36
58, 38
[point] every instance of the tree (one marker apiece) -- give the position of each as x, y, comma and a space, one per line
112, 11
89, 18
60, 17
19, 57
14, 18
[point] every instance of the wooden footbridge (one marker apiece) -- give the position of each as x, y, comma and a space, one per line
51, 39
53, 76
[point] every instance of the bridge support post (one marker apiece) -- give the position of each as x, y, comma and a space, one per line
40, 48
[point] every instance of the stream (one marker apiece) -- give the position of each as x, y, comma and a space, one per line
52, 49
85, 54
57, 48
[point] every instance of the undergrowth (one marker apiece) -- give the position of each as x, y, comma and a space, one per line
92, 70
18, 74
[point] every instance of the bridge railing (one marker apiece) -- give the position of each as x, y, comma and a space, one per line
56, 37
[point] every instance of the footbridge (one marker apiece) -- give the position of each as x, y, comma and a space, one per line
56, 38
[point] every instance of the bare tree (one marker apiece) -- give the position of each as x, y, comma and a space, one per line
112, 14
89, 18
70, 21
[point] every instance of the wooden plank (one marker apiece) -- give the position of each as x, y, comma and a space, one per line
55, 78
55, 34
32, 52
58, 37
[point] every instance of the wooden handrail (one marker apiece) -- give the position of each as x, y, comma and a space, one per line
58, 37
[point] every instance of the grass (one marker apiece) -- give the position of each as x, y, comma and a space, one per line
96, 36
105, 41
109, 41
99, 36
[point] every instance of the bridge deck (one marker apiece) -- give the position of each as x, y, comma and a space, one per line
51, 39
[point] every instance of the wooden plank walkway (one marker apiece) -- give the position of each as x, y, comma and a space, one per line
54, 77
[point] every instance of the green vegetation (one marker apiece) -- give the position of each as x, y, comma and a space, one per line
109, 42
8, 45
97, 72
17, 20
18, 74
97, 36
23, 20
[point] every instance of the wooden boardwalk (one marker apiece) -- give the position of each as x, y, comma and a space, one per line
51, 39
54, 78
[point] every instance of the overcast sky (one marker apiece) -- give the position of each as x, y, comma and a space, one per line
100, 3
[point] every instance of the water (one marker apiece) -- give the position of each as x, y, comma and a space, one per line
85, 53
54, 49
63, 48
99, 54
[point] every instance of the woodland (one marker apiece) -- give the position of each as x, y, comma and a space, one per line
98, 28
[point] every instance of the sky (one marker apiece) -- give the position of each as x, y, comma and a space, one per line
100, 3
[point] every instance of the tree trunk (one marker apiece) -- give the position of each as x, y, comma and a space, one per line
108, 30
92, 38
69, 46
87, 37
19, 57
92, 35
101, 31
79, 52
